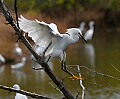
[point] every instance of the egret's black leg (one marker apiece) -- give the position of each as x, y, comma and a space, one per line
68, 72
65, 69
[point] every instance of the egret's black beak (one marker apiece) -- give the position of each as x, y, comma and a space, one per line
82, 38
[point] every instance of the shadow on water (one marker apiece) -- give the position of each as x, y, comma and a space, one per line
97, 55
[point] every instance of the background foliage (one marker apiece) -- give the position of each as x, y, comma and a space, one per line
63, 5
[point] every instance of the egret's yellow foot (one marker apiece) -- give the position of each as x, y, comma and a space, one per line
76, 78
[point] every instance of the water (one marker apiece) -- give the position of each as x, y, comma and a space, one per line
99, 55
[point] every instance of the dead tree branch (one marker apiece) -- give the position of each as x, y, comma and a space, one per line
49, 72
81, 84
99, 73
115, 68
95, 72
33, 95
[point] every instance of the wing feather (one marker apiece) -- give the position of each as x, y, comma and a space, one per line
40, 32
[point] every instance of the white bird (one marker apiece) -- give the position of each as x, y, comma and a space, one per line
38, 50
82, 26
2, 59
18, 95
17, 50
19, 65
43, 33
89, 34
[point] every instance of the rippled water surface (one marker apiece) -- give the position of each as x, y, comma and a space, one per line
100, 55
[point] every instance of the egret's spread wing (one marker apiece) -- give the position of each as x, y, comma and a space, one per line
41, 32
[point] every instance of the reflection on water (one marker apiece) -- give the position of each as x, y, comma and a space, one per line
19, 75
97, 55
2, 68
40, 75
19, 65
89, 53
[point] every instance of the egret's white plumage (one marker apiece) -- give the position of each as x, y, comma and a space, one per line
43, 33
2, 59
82, 26
18, 95
89, 34
17, 50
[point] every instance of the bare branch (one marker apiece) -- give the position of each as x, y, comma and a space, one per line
47, 47
81, 84
95, 72
94, 83
55, 87
15, 7
33, 95
98, 73
115, 68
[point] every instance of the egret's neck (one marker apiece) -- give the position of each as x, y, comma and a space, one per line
91, 26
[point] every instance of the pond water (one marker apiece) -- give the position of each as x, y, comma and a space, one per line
100, 55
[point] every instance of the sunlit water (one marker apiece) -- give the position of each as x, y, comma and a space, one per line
98, 55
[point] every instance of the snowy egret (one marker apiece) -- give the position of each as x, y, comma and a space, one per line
18, 95
43, 33
20, 64
17, 51
89, 34
82, 25
2, 59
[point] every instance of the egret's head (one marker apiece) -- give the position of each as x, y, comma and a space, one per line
82, 24
16, 87
91, 23
74, 32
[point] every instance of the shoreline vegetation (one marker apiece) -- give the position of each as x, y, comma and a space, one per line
64, 13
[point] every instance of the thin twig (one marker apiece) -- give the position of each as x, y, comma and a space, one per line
15, 7
47, 47
97, 73
77, 95
81, 84
55, 88
115, 68
94, 83
33, 95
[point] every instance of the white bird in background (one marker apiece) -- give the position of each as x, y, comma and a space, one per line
19, 65
82, 26
18, 95
89, 34
43, 33
2, 59
17, 51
